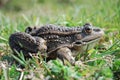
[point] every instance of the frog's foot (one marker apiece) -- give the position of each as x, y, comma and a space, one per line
65, 53
79, 63
26, 43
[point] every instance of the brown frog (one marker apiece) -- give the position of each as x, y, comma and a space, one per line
62, 42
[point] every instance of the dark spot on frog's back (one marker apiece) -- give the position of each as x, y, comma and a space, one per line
28, 29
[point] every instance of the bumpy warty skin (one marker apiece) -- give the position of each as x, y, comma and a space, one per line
58, 36
26, 43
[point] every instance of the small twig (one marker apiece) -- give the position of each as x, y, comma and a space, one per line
21, 76
92, 60
5, 71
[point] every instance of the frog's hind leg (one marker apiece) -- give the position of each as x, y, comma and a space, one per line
65, 53
26, 43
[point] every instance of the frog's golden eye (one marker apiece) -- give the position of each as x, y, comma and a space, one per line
87, 28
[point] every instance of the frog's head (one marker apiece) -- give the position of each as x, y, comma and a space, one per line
89, 35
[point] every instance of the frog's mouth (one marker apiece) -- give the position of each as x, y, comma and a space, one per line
85, 42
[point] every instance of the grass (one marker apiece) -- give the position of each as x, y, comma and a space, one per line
101, 65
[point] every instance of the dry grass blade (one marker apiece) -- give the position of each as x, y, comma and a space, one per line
5, 68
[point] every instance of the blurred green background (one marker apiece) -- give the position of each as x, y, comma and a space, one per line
104, 13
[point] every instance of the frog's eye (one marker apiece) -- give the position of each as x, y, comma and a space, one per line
87, 28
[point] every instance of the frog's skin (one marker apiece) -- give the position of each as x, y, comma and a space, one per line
65, 42
25, 43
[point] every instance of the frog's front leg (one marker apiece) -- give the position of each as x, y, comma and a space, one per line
65, 53
26, 43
